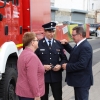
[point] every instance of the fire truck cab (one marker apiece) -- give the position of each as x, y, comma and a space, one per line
17, 17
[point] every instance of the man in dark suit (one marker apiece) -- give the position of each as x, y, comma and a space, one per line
51, 54
79, 68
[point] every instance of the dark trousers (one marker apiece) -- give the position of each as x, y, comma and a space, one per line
24, 98
56, 91
81, 93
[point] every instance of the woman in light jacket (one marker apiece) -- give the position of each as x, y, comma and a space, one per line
30, 81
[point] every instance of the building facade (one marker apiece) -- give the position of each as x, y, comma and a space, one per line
85, 11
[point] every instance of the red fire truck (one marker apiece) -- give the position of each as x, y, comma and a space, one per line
17, 17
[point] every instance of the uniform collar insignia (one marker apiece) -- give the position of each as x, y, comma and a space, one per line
43, 41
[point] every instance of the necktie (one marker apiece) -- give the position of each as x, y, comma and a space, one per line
49, 44
75, 47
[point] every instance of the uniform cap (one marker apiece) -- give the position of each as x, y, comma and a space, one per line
49, 26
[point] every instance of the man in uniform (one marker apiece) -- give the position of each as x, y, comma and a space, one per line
51, 54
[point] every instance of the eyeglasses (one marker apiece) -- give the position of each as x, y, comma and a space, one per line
74, 34
35, 40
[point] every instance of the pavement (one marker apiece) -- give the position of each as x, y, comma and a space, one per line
94, 92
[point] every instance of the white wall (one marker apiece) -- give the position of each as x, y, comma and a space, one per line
78, 4
66, 4
71, 4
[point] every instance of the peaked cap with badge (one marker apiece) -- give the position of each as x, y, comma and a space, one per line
49, 26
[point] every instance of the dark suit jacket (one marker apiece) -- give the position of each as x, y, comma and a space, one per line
53, 56
79, 67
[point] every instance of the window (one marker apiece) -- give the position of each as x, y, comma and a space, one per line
15, 2
92, 6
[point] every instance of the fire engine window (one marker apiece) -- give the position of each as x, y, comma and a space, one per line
15, 2
7, 0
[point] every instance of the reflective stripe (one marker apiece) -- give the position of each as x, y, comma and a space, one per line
19, 45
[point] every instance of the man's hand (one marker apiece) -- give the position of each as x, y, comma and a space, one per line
47, 67
63, 41
56, 68
64, 66
37, 98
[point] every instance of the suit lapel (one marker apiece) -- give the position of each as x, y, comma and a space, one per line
77, 48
